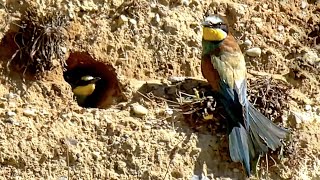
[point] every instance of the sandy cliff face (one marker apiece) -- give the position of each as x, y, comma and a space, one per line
45, 134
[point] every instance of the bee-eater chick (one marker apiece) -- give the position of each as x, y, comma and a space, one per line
84, 88
223, 65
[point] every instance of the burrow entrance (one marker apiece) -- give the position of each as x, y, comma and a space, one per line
107, 88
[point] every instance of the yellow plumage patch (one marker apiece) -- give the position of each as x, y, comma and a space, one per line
208, 117
84, 90
211, 34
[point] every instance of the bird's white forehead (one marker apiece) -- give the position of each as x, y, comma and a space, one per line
87, 78
214, 19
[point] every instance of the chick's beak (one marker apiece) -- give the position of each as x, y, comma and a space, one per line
206, 24
95, 79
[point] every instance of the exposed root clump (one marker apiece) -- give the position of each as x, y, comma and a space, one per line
270, 96
42, 42
202, 111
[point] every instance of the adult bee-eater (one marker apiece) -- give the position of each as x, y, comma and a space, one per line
223, 65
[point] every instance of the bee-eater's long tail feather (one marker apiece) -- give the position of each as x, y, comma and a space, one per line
239, 146
263, 128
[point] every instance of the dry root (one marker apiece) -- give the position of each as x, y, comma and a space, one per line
268, 95
41, 41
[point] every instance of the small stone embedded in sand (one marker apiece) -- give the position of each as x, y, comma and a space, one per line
121, 166
146, 127
29, 112
169, 111
175, 79
11, 96
247, 42
254, 52
185, 2
12, 121
63, 178
133, 21
311, 57
139, 110
280, 28
156, 18
304, 4
11, 113
96, 156
308, 107
122, 20
297, 118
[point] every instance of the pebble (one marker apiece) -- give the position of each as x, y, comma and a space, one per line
185, 2
29, 112
153, 5
147, 127
133, 21
64, 49
265, 6
96, 156
122, 20
11, 96
121, 166
254, 52
297, 118
139, 109
256, 19
280, 28
11, 113
12, 121
308, 107
63, 178
175, 79
156, 18
247, 42
304, 4
239, 9
169, 111
311, 57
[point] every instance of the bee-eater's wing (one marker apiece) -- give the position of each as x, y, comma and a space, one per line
232, 71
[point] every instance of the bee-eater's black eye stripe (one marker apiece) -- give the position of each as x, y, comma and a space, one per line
224, 28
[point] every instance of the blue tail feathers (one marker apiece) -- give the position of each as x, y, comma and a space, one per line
251, 134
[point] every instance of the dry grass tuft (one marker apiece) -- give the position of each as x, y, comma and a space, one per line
42, 42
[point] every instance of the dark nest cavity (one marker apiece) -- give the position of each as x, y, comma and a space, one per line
108, 89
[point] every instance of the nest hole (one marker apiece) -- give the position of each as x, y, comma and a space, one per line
107, 90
